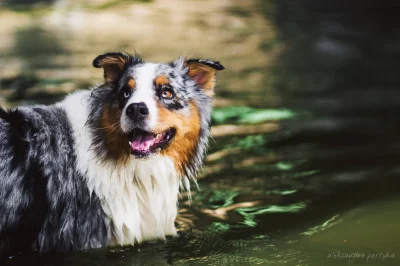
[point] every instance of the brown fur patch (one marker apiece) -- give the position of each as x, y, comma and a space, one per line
204, 76
161, 80
131, 83
119, 61
116, 141
187, 134
113, 65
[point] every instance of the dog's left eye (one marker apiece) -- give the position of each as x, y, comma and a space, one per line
167, 94
127, 94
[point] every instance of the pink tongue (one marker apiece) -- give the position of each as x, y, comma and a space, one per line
142, 142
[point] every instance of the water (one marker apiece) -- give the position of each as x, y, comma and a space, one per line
303, 164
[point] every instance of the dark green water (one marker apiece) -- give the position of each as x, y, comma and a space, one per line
303, 164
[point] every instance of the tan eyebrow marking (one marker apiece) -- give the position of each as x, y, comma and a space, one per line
131, 83
161, 80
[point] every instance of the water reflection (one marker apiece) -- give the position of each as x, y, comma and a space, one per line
340, 65
33, 57
25, 3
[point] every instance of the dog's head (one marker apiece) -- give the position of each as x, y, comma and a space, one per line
144, 108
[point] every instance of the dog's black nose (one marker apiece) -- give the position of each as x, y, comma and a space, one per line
137, 111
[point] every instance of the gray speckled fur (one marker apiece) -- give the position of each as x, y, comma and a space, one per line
46, 205
186, 89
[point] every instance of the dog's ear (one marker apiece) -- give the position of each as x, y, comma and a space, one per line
203, 72
114, 64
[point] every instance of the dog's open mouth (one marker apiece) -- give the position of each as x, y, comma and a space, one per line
144, 143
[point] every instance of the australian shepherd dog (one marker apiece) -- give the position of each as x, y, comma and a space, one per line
104, 167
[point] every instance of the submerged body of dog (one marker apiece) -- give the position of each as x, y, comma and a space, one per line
104, 167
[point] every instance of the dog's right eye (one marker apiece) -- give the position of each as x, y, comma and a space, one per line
127, 94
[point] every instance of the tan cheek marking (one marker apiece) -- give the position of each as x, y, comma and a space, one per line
161, 80
116, 140
187, 135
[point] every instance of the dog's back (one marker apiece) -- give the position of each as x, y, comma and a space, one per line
44, 202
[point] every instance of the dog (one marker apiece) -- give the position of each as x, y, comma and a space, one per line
104, 167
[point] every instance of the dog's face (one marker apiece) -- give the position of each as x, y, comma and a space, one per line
156, 108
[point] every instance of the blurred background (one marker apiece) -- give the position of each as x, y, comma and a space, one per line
303, 164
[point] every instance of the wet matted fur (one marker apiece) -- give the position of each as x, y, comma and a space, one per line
104, 166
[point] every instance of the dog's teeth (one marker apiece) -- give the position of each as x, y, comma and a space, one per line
130, 143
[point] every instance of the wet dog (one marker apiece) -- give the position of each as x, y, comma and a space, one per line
104, 166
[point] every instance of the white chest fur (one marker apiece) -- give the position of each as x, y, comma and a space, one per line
140, 196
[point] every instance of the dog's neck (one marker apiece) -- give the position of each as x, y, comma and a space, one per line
140, 196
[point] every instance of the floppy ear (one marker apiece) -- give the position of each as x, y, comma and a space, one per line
114, 64
203, 72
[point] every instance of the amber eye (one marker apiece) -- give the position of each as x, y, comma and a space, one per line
167, 94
